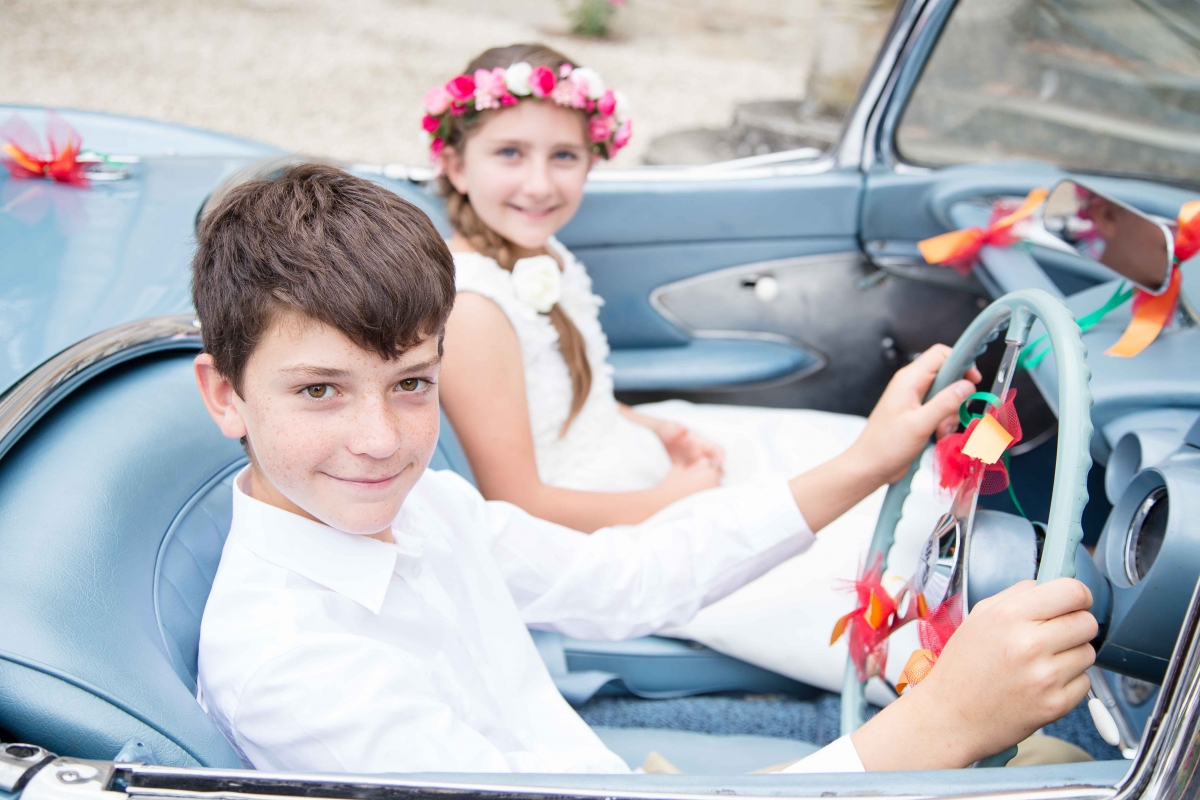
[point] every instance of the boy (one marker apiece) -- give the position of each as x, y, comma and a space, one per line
370, 616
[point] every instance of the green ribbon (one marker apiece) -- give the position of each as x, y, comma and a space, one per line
1034, 352
966, 417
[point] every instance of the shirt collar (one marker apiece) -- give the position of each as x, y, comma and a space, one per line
357, 567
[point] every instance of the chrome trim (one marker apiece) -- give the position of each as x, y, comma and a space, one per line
29, 399
872, 149
1133, 533
1166, 767
18, 763
857, 146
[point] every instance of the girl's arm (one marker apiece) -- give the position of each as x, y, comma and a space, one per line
482, 388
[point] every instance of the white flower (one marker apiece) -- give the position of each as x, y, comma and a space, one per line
591, 79
537, 282
516, 78
622, 109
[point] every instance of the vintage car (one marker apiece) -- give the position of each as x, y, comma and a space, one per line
790, 279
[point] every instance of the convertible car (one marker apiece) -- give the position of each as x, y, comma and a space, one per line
792, 279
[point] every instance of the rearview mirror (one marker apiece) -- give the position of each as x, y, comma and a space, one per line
1121, 238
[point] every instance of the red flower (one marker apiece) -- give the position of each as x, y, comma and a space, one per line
542, 81
430, 123
461, 88
435, 149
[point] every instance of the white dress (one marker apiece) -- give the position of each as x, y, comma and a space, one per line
783, 620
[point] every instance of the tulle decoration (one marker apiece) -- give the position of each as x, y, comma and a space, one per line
934, 630
952, 467
870, 624
958, 249
25, 156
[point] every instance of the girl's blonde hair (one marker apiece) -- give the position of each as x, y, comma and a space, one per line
490, 243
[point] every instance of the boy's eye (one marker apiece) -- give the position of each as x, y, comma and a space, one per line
318, 391
411, 384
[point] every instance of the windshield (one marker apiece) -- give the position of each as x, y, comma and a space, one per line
1110, 86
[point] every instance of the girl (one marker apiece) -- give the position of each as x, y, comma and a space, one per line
525, 378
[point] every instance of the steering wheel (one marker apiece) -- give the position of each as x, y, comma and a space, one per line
1063, 529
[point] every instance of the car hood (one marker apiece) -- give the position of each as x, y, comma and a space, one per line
74, 262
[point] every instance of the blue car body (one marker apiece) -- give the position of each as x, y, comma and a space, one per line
114, 486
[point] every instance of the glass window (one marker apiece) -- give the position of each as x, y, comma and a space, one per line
1110, 86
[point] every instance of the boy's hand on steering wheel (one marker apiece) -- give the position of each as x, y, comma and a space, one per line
902, 423
1017, 663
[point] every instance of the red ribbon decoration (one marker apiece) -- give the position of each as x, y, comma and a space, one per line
870, 623
952, 467
25, 156
958, 249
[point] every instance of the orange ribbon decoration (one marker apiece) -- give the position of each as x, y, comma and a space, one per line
870, 623
958, 249
25, 157
1152, 312
934, 630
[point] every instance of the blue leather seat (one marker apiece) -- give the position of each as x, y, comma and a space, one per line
114, 509
87, 498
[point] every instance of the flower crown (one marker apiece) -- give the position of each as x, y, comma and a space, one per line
609, 126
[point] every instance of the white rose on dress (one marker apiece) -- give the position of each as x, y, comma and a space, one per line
537, 282
516, 78
591, 79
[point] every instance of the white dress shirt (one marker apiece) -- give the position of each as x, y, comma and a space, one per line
323, 651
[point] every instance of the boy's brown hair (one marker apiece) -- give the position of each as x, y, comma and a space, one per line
325, 244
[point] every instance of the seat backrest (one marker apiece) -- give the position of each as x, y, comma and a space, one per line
86, 498
114, 510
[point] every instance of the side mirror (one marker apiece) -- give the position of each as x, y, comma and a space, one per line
1106, 230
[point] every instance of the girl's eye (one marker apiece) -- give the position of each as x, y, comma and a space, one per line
565, 155
507, 152
411, 384
318, 391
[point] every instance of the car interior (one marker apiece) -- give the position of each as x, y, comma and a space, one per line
789, 284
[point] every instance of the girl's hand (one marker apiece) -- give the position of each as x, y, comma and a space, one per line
686, 447
687, 479
901, 423
1017, 663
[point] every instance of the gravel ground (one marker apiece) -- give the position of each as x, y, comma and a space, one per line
344, 78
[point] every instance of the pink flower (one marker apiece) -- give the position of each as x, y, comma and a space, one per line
571, 92
600, 128
542, 81
435, 149
437, 99
461, 88
616, 2
489, 88
430, 123
564, 70
607, 103
621, 138
507, 99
